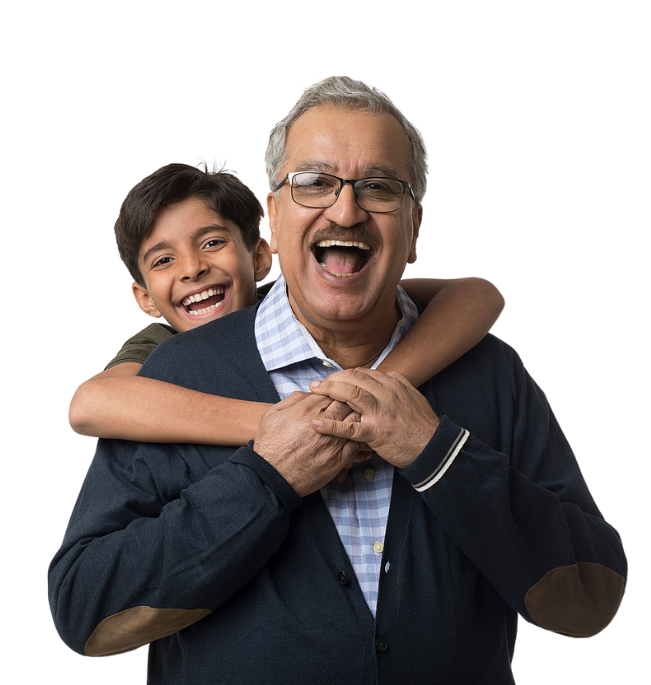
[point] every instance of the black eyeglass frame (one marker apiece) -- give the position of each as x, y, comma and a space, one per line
342, 181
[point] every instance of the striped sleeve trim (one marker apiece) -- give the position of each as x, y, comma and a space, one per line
445, 463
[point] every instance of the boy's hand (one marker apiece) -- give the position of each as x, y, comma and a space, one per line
306, 459
393, 418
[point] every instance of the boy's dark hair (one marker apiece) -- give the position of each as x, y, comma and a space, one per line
222, 192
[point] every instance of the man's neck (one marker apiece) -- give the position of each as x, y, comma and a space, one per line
353, 344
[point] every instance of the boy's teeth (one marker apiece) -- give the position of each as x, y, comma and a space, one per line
343, 243
198, 297
194, 312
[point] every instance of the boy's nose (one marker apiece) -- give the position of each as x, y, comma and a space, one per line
192, 267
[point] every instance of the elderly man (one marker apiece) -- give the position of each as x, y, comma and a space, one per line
301, 558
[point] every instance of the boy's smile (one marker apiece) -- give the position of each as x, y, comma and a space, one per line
196, 266
204, 302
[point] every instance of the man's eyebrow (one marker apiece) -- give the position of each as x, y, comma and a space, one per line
197, 233
313, 165
366, 171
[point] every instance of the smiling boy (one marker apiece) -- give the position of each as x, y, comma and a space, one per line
197, 265
191, 241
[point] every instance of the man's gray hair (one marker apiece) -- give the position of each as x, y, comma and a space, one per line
346, 93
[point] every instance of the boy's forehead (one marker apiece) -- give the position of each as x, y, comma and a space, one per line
185, 221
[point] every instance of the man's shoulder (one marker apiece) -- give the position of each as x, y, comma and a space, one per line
492, 347
487, 391
238, 323
491, 362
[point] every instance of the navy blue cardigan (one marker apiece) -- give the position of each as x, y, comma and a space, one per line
209, 555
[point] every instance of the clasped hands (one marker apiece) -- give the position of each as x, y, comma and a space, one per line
312, 439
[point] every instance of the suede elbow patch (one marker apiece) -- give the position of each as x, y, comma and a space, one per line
138, 626
578, 600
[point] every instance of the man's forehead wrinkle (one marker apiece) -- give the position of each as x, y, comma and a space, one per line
364, 170
316, 165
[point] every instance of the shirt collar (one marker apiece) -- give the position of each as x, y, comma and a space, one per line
283, 340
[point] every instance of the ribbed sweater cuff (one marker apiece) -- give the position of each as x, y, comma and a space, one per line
439, 454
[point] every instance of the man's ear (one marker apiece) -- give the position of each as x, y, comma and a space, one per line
416, 218
145, 301
272, 213
261, 259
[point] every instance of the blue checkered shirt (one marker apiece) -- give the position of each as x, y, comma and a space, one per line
360, 506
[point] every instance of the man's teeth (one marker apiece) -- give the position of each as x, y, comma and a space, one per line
343, 243
324, 266
340, 243
202, 296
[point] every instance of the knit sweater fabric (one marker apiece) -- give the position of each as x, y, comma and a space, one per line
208, 554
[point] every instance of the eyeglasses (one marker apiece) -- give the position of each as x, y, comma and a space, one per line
318, 191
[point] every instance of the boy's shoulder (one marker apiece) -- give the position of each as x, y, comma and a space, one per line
139, 346
156, 332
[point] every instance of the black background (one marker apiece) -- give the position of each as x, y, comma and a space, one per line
521, 192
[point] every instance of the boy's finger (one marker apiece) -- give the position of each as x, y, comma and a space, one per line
341, 476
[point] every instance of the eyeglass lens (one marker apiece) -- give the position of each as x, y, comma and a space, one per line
322, 190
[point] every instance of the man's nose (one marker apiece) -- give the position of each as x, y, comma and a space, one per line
345, 211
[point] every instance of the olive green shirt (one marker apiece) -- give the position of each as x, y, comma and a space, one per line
141, 345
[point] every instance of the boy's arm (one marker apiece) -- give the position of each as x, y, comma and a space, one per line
118, 404
459, 314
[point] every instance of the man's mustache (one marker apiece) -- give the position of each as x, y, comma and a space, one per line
358, 232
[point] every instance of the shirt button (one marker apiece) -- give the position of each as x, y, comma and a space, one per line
378, 547
343, 578
326, 363
369, 474
381, 645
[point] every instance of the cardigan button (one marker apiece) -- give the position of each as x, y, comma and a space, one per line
381, 645
343, 578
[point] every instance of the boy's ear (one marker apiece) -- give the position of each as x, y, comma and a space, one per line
261, 259
145, 301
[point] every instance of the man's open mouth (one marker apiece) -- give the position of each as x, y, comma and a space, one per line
342, 257
205, 301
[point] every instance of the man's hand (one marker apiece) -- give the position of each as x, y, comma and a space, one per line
391, 416
306, 459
